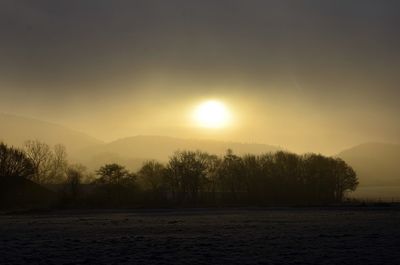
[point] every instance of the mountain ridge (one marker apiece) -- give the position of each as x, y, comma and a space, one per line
146, 147
15, 130
376, 165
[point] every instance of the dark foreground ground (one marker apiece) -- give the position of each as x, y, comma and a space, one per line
203, 236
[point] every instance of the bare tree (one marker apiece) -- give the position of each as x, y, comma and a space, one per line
86, 177
41, 156
151, 176
116, 184
14, 163
50, 165
231, 174
72, 184
59, 165
186, 172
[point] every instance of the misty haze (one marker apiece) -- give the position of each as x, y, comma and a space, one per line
202, 132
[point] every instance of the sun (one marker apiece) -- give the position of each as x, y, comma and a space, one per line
212, 114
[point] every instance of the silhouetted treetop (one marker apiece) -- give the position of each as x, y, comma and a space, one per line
14, 163
114, 174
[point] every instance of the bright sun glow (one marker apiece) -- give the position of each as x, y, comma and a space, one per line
212, 114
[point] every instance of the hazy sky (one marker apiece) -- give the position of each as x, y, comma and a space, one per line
305, 75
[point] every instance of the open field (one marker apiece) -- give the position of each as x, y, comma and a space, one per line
377, 193
204, 236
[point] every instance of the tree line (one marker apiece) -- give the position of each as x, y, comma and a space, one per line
188, 178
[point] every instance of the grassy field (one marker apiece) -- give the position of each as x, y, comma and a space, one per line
204, 236
377, 193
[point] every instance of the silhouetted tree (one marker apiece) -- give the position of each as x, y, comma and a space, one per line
286, 172
231, 175
326, 179
267, 181
189, 177
116, 184
14, 163
41, 156
186, 174
50, 165
59, 165
151, 175
211, 181
253, 177
345, 179
153, 181
87, 177
72, 186
114, 174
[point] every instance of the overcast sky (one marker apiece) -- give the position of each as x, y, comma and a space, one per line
304, 75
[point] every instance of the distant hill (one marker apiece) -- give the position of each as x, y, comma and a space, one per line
375, 163
378, 168
134, 150
15, 130
131, 151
